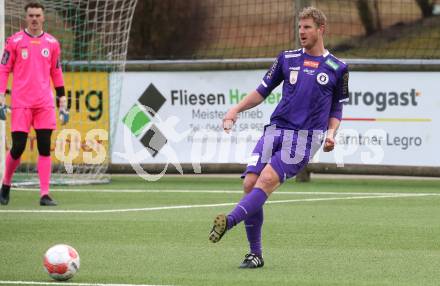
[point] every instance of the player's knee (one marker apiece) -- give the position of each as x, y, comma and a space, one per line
18, 144
17, 150
44, 148
249, 182
248, 186
268, 180
43, 142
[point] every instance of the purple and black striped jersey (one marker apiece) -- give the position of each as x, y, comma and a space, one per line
313, 89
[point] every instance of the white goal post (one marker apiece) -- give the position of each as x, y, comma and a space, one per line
2, 122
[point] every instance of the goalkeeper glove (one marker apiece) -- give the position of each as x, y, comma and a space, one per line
64, 113
3, 110
64, 116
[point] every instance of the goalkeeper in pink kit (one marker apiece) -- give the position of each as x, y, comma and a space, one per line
33, 57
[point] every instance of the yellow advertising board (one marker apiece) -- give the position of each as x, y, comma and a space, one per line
84, 139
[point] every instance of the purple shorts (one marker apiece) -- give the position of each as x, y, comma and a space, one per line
287, 151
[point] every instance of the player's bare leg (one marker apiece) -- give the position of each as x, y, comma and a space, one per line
249, 182
268, 180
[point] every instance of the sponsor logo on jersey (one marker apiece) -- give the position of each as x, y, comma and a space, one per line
272, 69
294, 68
50, 39
311, 64
309, 71
332, 64
322, 78
18, 38
345, 85
24, 53
35, 42
293, 77
288, 56
45, 52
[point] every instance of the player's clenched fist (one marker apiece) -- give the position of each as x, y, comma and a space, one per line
229, 120
329, 144
227, 124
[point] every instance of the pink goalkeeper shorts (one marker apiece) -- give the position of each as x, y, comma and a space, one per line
39, 118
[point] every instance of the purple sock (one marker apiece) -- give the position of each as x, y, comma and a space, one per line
248, 205
253, 226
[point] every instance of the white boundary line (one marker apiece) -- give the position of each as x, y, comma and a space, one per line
69, 283
216, 192
210, 205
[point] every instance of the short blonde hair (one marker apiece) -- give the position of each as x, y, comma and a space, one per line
317, 15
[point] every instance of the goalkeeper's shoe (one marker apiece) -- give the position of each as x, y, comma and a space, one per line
4, 194
47, 201
219, 228
252, 260
3, 110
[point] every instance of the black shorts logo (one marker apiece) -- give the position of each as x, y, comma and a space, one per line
5, 57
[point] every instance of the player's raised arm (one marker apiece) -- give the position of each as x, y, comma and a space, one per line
271, 79
251, 100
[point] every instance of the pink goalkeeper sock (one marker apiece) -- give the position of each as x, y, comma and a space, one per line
10, 167
44, 171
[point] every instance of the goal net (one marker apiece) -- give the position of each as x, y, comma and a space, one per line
225, 29
94, 36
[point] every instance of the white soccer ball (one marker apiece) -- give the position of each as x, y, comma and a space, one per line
61, 262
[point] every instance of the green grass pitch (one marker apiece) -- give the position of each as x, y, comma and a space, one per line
327, 232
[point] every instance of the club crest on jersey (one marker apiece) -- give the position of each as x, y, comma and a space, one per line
45, 52
322, 78
24, 54
293, 77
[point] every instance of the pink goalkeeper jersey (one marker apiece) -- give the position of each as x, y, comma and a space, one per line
33, 61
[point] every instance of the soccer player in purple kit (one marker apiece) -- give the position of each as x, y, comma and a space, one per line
315, 84
33, 56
